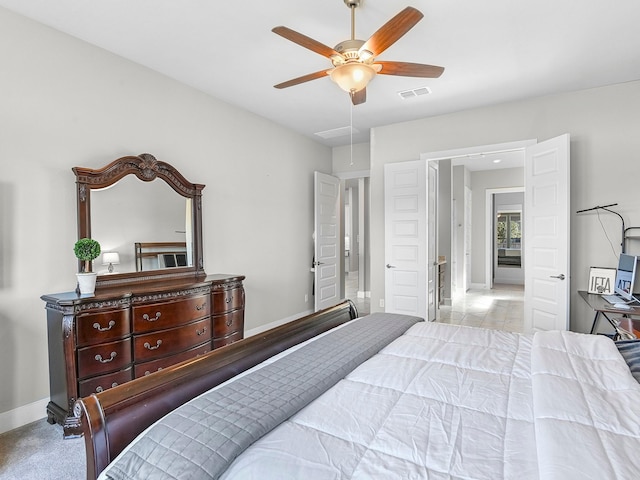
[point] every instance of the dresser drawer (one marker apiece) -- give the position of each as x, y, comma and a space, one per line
172, 340
226, 300
104, 382
146, 368
103, 358
221, 342
223, 325
93, 328
157, 316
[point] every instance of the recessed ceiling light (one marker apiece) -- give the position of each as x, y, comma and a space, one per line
497, 160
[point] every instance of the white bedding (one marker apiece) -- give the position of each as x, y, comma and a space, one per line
451, 402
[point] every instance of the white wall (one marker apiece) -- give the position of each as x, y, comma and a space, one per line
66, 103
346, 159
460, 178
605, 166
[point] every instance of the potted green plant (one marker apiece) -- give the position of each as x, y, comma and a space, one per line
86, 250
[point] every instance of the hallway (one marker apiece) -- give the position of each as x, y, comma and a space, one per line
501, 308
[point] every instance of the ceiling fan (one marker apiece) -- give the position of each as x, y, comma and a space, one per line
354, 61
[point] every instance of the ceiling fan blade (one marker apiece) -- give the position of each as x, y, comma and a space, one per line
304, 78
359, 97
391, 31
405, 69
305, 41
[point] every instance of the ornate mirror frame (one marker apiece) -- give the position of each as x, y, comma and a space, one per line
146, 168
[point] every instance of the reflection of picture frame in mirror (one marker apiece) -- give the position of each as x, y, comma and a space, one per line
181, 259
602, 280
169, 260
172, 260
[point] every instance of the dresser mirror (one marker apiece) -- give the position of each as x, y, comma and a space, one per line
146, 216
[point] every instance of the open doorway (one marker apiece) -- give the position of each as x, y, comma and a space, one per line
356, 243
465, 177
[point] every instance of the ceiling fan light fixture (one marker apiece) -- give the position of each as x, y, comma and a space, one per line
352, 77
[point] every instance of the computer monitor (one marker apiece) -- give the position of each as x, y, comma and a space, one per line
626, 276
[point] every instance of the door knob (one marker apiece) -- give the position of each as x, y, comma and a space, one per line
390, 266
560, 277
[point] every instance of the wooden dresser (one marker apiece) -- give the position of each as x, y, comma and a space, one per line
121, 333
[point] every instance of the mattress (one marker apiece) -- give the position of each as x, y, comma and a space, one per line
451, 402
438, 402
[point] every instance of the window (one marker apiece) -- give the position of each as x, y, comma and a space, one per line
509, 239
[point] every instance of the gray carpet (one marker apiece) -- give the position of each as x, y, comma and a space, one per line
37, 451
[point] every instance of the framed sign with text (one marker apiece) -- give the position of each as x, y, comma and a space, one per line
601, 280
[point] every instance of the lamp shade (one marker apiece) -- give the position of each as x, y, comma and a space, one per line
110, 258
352, 77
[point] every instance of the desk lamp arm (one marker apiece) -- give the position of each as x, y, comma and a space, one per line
606, 209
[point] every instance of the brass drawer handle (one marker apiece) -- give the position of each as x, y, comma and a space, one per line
106, 360
149, 347
147, 372
201, 307
200, 332
98, 327
229, 321
229, 299
149, 319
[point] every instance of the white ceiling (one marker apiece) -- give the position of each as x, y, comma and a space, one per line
493, 51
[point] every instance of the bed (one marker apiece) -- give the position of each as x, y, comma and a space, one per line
381, 396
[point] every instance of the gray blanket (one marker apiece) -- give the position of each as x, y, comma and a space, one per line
201, 438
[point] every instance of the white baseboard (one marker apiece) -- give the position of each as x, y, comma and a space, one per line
277, 323
479, 286
23, 415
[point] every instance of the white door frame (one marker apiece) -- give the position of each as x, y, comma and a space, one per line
489, 218
472, 151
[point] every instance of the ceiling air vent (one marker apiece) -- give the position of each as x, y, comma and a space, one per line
416, 92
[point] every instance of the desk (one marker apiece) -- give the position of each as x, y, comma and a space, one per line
602, 307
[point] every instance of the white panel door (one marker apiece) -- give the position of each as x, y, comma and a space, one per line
405, 200
546, 230
327, 244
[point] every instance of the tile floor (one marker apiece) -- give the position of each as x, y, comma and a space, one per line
501, 308
351, 292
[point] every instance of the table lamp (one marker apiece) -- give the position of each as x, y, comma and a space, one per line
111, 259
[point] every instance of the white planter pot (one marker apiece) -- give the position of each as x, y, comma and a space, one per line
87, 282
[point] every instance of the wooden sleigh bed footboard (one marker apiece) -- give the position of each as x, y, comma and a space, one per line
112, 419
